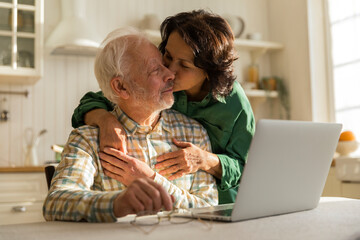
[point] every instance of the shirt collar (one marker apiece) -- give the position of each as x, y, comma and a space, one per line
221, 99
131, 127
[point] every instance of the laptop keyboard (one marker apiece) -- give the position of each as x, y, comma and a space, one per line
224, 212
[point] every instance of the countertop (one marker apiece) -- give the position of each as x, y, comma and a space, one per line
22, 169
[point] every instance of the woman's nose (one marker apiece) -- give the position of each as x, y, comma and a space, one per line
169, 74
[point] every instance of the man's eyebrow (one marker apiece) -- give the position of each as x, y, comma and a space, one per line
151, 64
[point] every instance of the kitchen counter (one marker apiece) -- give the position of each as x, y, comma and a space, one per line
22, 169
334, 218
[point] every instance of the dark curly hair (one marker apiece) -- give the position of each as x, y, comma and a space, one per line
211, 39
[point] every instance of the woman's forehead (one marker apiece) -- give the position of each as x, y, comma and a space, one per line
178, 48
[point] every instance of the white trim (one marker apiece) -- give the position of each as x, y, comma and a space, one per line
318, 62
329, 63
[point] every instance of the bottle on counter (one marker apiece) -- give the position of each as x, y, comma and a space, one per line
253, 76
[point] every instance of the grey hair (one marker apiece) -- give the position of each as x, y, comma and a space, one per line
112, 58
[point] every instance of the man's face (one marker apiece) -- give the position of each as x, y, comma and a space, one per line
151, 82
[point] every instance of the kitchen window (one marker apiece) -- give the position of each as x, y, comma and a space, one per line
344, 34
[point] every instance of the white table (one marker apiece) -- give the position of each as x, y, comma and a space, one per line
334, 218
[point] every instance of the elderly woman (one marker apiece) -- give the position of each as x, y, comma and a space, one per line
198, 47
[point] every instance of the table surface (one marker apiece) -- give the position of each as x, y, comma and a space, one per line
334, 218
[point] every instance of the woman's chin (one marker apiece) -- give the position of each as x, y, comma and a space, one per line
177, 88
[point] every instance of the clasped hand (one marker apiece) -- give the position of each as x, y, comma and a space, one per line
188, 159
122, 167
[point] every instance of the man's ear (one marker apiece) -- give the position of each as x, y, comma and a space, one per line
119, 87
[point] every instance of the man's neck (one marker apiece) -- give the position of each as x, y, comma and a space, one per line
143, 116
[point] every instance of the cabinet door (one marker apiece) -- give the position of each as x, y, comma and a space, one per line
21, 40
21, 212
350, 190
333, 185
21, 197
21, 187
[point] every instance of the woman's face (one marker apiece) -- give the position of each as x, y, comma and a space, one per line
179, 58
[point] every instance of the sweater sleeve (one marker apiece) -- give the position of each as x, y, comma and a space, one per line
88, 102
234, 158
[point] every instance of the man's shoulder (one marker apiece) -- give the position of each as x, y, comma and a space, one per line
87, 132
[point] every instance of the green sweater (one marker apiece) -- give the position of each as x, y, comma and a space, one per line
229, 122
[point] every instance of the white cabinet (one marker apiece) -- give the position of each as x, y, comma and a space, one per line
21, 197
337, 188
21, 41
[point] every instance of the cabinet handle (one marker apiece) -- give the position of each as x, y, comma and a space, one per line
19, 209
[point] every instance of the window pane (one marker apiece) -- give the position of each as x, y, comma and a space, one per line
357, 36
347, 86
5, 51
340, 9
344, 41
27, 2
25, 57
357, 6
27, 21
5, 25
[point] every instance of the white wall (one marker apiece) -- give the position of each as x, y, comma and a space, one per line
300, 26
288, 21
66, 79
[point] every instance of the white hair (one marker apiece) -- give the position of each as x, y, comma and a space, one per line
112, 58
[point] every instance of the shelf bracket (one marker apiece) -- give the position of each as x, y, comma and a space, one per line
25, 93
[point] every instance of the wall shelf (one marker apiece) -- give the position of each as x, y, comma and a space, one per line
256, 48
261, 93
255, 45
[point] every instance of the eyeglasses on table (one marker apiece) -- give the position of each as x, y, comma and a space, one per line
146, 219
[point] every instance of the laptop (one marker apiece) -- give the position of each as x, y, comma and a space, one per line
286, 170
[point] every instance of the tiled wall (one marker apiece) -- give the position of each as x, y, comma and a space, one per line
53, 98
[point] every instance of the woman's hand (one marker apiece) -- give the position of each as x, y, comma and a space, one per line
187, 160
124, 168
112, 133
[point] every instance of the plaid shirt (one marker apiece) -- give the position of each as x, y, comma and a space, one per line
80, 189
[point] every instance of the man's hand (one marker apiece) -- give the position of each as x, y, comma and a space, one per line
143, 194
124, 168
112, 133
187, 160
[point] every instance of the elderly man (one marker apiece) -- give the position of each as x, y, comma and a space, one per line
131, 74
